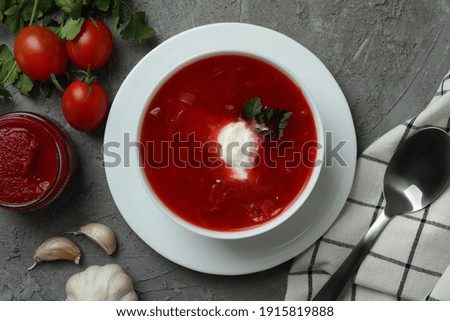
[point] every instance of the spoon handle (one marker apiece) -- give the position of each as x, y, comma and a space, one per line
333, 288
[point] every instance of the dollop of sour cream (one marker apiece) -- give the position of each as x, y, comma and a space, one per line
239, 145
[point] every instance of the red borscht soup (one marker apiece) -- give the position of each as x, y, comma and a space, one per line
198, 108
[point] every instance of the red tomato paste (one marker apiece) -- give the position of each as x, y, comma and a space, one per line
35, 161
184, 167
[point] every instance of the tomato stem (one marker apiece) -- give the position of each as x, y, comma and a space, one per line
87, 79
46, 91
33, 13
94, 22
87, 76
56, 83
89, 92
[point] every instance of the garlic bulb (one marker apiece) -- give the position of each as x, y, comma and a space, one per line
101, 235
57, 248
101, 283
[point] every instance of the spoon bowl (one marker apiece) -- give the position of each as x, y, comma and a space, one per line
417, 174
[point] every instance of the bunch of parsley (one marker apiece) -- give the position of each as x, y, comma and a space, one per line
65, 18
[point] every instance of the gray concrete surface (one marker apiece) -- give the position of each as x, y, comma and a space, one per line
388, 57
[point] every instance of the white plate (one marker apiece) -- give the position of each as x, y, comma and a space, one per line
229, 257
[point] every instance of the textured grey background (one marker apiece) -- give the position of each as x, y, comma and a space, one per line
388, 57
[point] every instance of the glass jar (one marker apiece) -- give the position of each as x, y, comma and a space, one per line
37, 160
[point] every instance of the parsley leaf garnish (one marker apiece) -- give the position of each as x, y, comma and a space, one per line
252, 108
276, 120
136, 28
11, 73
70, 28
24, 83
283, 122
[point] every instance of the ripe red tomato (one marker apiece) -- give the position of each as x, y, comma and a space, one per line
83, 110
39, 53
92, 46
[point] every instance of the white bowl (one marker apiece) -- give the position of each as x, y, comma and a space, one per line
193, 250
301, 198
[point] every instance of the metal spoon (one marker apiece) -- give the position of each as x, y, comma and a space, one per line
416, 175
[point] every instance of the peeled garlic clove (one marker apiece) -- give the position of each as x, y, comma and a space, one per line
57, 248
100, 234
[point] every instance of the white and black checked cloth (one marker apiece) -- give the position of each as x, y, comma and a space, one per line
411, 259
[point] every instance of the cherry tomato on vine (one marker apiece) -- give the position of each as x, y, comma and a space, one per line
40, 53
85, 105
92, 46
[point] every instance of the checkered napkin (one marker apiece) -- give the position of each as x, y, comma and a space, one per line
411, 258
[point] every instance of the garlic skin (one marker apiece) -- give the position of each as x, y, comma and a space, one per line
101, 235
101, 283
57, 248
